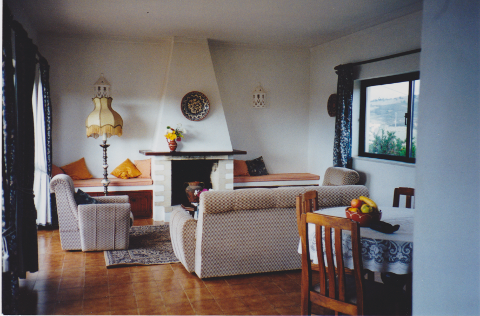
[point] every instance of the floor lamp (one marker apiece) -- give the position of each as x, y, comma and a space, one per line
103, 121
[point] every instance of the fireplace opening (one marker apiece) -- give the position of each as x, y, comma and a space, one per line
184, 171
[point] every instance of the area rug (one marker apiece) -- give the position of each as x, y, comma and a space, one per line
148, 245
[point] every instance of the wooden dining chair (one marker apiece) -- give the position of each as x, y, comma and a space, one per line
408, 192
305, 203
338, 291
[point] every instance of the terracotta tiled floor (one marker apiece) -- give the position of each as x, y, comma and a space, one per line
75, 282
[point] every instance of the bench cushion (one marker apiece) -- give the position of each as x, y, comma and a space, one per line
97, 182
277, 177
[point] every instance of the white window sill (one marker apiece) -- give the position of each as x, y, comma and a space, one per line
385, 161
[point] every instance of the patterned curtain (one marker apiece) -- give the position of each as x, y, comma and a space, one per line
47, 107
18, 212
342, 148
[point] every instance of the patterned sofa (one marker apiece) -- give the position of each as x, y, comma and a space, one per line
247, 231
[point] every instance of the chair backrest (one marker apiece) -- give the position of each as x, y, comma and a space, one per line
340, 176
306, 202
332, 293
62, 186
408, 192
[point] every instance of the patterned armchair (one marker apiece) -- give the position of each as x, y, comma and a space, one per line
340, 176
91, 227
247, 231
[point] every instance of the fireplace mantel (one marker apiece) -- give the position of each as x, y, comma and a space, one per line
192, 153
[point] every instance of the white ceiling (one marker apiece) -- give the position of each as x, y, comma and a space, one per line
299, 23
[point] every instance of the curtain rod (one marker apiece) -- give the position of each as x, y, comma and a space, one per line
413, 51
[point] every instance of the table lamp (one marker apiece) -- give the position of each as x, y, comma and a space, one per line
103, 121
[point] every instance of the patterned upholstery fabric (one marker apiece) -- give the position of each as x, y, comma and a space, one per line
91, 226
340, 176
182, 229
247, 231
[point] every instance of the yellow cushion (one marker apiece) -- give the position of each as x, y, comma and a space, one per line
126, 170
144, 167
77, 170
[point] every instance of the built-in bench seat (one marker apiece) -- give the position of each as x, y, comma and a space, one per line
276, 180
114, 182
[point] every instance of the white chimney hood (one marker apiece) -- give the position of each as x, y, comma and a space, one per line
191, 69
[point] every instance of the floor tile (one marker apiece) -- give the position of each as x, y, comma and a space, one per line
206, 307
266, 288
224, 291
233, 306
175, 297
120, 289
245, 290
145, 287
125, 302
75, 282
99, 291
152, 310
198, 294
96, 305
184, 308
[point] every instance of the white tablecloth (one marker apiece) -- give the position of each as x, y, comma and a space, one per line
380, 252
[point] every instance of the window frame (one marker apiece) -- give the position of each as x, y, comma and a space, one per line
364, 84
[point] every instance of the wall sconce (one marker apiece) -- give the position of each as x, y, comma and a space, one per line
259, 97
103, 121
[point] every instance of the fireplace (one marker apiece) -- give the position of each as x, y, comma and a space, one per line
184, 171
170, 171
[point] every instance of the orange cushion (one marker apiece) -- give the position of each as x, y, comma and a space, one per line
77, 170
240, 168
126, 170
144, 167
56, 170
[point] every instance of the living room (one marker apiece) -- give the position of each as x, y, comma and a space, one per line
294, 132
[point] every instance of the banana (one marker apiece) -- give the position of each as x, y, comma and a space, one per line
369, 202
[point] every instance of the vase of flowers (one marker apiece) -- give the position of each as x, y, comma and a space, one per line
174, 135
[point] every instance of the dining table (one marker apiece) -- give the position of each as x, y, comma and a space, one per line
381, 252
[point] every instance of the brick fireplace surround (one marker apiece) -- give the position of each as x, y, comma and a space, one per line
221, 175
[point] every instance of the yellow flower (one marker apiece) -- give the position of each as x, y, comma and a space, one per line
171, 136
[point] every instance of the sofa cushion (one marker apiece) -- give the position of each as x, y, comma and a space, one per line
286, 197
217, 201
144, 166
126, 170
254, 199
77, 170
83, 198
256, 167
56, 170
240, 168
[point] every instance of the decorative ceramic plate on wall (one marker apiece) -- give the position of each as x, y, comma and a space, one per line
195, 106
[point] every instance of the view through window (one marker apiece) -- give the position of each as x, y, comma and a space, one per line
389, 117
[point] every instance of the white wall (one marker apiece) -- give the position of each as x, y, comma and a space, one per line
135, 70
278, 132
396, 36
446, 248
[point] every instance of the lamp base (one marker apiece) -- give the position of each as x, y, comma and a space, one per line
105, 180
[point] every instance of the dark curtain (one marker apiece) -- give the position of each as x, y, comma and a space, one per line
342, 148
18, 214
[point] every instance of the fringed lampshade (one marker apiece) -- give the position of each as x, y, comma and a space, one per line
103, 121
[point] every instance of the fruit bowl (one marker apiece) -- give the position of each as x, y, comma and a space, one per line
364, 218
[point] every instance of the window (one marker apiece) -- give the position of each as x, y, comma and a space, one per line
388, 117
